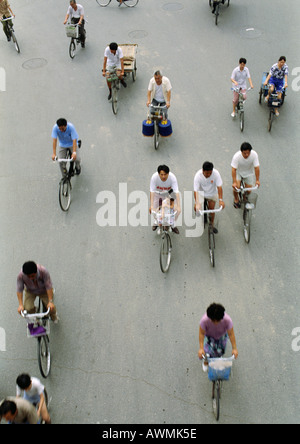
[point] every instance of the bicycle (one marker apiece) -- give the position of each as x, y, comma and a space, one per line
217, 7
211, 234
157, 117
72, 30
115, 86
219, 370
240, 107
248, 207
166, 243
38, 326
65, 186
128, 3
11, 31
274, 102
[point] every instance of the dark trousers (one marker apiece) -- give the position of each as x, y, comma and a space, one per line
81, 29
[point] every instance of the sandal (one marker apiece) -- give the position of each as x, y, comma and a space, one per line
236, 204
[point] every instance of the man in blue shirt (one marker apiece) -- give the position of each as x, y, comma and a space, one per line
67, 136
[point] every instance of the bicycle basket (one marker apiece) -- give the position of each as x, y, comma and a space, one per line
274, 102
71, 31
219, 369
39, 328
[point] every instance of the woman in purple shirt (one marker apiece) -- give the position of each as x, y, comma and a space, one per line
215, 328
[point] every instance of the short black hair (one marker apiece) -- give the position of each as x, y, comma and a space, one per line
113, 46
215, 312
23, 381
8, 406
164, 168
243, 60
207, 166
61, 122
282, 58
246, 146
29, 267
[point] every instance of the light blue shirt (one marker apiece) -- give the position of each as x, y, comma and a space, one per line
65, 138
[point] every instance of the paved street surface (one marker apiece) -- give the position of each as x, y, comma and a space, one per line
125, 350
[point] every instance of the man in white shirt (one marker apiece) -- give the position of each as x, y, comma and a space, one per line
159, 92
113, 56
162, 182
244, 164
208, 181
76, 13
33, 391
239, 77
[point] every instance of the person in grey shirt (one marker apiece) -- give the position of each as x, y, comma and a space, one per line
239, 77
18, 411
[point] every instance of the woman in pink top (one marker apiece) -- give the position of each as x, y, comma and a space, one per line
215, 328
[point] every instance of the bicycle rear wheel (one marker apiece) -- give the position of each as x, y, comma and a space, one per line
15, 40
44, 358
103, 2
114, 98
247, 220
165, 252
130, 3
216, 392
65, 193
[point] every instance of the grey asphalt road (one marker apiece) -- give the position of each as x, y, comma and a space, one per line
125, 350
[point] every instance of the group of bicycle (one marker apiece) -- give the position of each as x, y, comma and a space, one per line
216, 326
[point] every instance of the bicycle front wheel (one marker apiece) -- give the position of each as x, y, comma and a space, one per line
211, 245
216, 399
247, 220
114, 99
270, 121
103, 2
130, 3
217, 13
72, 49
65, 194
44, 358
15, 41
165, 252
242, 120
156, 135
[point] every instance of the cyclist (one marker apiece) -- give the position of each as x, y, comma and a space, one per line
33, 391
67, 136
18, 411
76, 13
215, 328
113, 56
238, 77
36, 281
208, 181
5, 12
163, 181
215, 4
159, 92
277, 78
244, 164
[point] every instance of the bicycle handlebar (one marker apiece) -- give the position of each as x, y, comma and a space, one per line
63, 160
26, 315
238, 90
210, 211
244, 189
208, 358
6, 19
